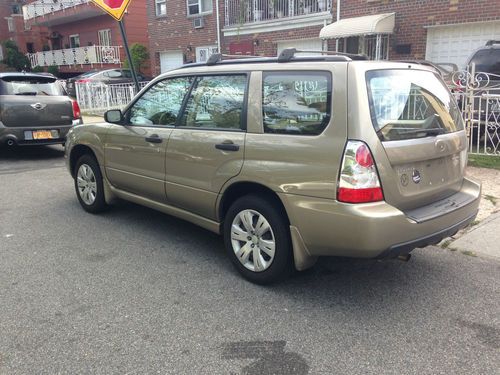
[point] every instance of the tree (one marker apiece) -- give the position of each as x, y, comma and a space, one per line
13, 57
140, 56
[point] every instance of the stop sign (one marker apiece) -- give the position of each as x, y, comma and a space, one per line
115, 8
113, 3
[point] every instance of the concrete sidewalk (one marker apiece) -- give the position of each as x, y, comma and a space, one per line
482, 239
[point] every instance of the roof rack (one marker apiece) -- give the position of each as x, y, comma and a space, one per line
287, 55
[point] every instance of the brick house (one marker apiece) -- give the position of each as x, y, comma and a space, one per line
12, 27
438, 30
81, 37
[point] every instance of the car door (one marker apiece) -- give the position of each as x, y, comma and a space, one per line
135, 151
206, 148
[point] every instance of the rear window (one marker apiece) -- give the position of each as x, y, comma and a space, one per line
30, 86
487, 61
407, 104
296, 102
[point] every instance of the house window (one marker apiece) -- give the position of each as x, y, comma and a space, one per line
203, 53
199, 6
74, 41
30, 48
104, 37
161, 7
376, 47
10, 24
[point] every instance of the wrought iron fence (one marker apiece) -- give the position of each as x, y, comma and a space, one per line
88, 55
238, 12
43, 7
97, 98
478, 96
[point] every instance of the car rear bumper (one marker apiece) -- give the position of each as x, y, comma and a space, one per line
17, 135
373, 230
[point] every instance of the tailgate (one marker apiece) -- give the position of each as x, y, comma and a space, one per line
421, 131
35, 111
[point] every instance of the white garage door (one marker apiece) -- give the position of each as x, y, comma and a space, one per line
303, 44
170, 60
454, 44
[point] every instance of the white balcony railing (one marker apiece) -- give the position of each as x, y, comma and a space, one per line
239, 12
77, 56
43, 7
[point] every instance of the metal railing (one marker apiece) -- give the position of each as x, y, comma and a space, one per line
97, 98
478, 96
77, 56
43, 7
239, 12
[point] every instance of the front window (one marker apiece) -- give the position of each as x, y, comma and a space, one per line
407, 104
161, 7
160, 105
296, 102
10, 24
199, 6
104, 37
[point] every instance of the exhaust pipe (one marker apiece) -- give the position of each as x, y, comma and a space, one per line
10, 143
404, 257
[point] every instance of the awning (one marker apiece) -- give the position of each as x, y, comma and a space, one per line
376, 24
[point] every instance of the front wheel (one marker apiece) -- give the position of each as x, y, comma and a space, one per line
257, 239
88, 185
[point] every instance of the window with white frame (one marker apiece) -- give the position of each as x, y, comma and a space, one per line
74, 41
104, 37
198, 6
203, 53
161, 7
10, 24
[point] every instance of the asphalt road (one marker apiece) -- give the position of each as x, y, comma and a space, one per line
135, 291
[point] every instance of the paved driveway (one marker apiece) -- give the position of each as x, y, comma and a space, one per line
136, 291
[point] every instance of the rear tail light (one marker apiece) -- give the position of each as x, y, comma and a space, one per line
358, 181
77, 114
83, 81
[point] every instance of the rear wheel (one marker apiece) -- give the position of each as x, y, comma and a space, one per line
88, 184
257, 239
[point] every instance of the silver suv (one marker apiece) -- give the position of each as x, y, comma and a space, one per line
289, 158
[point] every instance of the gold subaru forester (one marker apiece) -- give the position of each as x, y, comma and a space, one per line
289, 158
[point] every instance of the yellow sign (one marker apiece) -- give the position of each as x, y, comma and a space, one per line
115, 8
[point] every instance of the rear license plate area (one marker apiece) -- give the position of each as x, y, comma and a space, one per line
37, 135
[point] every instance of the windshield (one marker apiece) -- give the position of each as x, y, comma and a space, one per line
408, 104
30, 86
487, 61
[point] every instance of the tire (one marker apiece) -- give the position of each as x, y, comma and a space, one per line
243, 242
90, 193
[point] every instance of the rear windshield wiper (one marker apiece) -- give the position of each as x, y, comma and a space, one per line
27, 93
427, 132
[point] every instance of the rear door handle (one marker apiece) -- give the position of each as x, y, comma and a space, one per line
154, 139
227, 147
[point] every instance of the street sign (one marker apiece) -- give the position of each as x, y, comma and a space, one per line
115, 8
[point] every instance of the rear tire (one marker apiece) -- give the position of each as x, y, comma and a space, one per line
257, 240
88, 184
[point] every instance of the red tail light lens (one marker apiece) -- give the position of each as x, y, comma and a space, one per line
77, 114
83, 81
359, 181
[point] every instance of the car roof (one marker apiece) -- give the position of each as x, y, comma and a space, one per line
27, 74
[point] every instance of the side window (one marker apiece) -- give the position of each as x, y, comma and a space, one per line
296, 102
160, 105
113, 74
216, 102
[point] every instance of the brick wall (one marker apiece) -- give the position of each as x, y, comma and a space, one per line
175, 31
413, 16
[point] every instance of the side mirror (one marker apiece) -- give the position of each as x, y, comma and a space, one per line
113, 116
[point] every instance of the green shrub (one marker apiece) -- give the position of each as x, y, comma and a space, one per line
140, 56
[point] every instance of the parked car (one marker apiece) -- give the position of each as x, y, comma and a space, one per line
34, 110
108, 77
486, 116
289, 158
